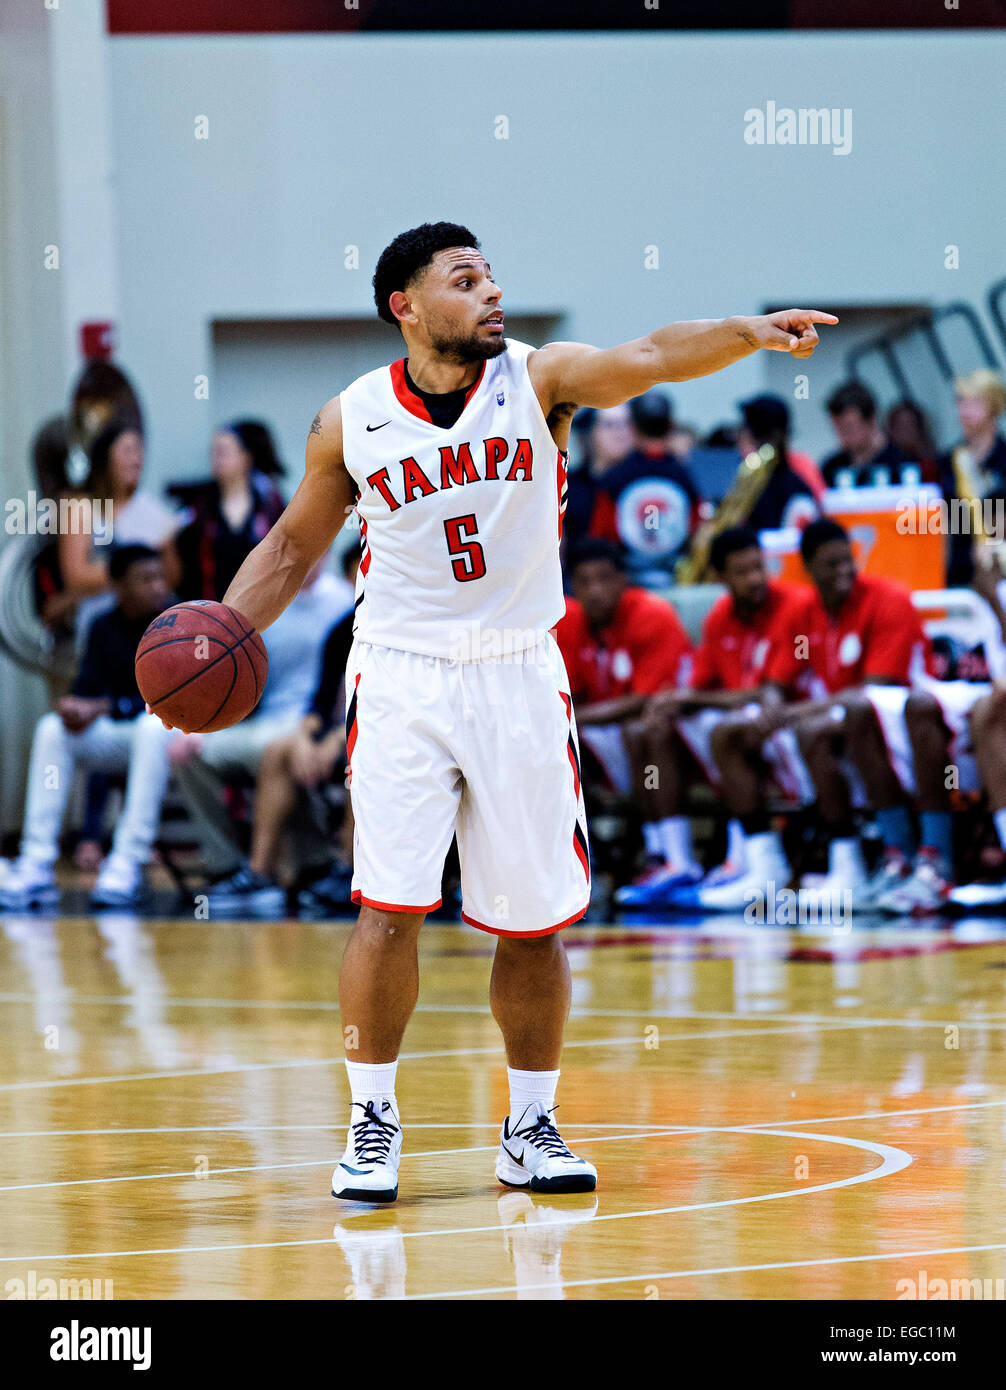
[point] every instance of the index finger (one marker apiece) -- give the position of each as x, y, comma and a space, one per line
816, 316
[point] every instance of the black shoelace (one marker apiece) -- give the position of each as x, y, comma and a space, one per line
544, 1135
372, 1136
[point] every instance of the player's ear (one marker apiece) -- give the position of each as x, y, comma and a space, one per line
401, 306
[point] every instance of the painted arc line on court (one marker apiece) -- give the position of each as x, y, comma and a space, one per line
492, 1124
701, 1273
310, 1163
894, 1160
8, 1086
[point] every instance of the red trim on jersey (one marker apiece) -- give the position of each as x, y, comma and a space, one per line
545, 931
365, 561
351, 731
474, 386
414, 404
560, 483
579, 848
358, 898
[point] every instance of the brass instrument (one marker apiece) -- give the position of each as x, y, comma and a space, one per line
735, 508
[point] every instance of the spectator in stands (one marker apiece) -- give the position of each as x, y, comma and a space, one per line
204, 762
908, 429
648, 503
790, 495
853, 636
120, 510
101, 724
866, 458
975, 469
682, 440
598, 440
50, 452
297, 766
739, 638
621, 645
228, 516
101, 394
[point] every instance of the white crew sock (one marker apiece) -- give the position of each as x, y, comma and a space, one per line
676, 839
736, 843
651, 839
372, 1081
529, 1086
1000, 821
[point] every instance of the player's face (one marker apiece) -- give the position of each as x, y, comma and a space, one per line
974, 414
126, 461
229, 460
833, 571
598, 585
457, 304
745, 576
143, 589
854, 431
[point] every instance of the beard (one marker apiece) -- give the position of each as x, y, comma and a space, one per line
463, 349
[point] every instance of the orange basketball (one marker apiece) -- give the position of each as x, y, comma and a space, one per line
200, 666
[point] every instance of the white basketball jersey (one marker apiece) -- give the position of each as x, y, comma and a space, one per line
460, 527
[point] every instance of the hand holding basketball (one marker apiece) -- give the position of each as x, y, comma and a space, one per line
200, 667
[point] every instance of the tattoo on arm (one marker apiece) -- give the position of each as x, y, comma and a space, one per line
316, 425
748, 338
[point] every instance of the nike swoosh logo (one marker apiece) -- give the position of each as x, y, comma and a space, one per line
517, 1158
377, 427
357, 1172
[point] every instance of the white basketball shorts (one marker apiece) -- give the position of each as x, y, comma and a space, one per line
956, 700
484, 749
780, 751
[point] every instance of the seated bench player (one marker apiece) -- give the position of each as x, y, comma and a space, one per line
203, 763
728, 674
301, 761
855, 642
621, 644
100, 725
952, 723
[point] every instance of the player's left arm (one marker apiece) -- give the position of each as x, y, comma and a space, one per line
576, 374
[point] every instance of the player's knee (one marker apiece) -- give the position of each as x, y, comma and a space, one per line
921, 711
982, 717
812, 736
859, 715
49, 726
729, 735
389, 929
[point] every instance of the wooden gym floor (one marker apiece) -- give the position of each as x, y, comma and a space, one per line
774, 1114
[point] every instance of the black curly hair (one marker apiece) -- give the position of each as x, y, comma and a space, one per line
409, 254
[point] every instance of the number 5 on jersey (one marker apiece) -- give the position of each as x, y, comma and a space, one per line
471, 560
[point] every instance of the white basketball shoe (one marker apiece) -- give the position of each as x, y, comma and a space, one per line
369, 1168
532, 1154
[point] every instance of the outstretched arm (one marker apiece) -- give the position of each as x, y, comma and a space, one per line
580, 375
273, 573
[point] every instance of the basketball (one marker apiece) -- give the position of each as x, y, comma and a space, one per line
201, 667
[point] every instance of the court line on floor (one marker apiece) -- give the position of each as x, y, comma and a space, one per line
655, 1133
495, 1050
483, 1010
493, 1124
701, 1273
893, 1161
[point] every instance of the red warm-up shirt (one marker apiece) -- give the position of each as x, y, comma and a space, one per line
643, 650
734, 655
877, 632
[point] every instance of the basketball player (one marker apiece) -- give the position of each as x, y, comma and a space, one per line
459, 716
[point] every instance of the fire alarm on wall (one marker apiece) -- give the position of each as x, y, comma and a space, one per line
97, 340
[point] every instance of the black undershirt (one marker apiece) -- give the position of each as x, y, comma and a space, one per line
445, 407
